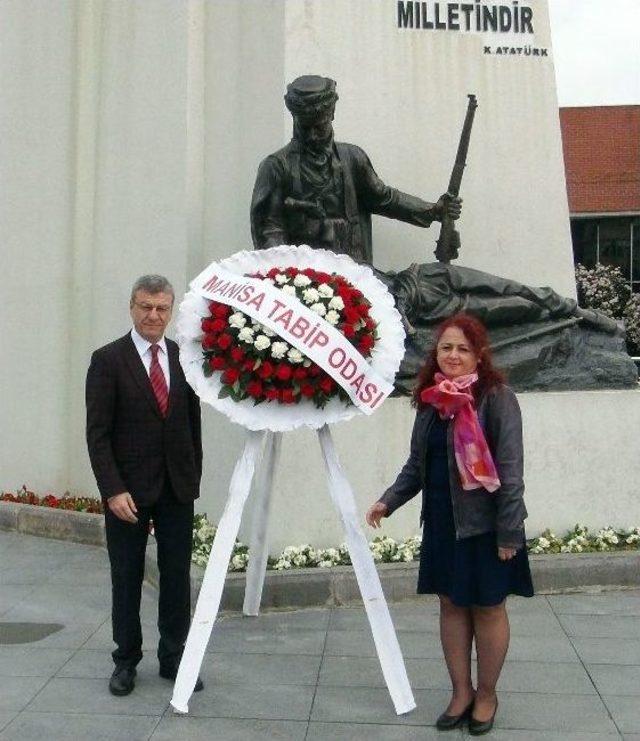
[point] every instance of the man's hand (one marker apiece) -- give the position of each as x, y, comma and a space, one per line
506, 554
375, 513
449, 205
123, 507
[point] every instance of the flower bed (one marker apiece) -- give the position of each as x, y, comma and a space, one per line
75, 504
388, 550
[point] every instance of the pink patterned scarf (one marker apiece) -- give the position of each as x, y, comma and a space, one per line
453, 399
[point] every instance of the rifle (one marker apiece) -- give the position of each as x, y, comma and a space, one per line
448, 242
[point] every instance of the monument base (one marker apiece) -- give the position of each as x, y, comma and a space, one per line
581, 465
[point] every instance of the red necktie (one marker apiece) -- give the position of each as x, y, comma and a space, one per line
158, 381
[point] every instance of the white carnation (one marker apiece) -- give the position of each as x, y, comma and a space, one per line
310, 295
281, 279
319, 308
325, 290
278, 349
295, 356
262, 342
336, 303
301, 280
246, 335
237, 320
289, 289
332, 317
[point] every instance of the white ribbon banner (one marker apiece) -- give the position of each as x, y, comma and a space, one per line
301, 327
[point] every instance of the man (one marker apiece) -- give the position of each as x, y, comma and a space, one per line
322, 193
143, 435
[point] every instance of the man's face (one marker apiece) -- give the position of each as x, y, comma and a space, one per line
315, 133
151, 312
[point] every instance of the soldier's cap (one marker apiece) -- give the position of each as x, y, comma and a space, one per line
310, 97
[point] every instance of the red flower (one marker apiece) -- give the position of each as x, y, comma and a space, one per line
307, 390
218, 325
271, 393
351, 314
209, 341
300, 373
230, 376
284, 371
369, 323
266, 370
273, 272
323, 277
254, 388
248, 364
326, 385
292, 272
237, 354
217, 363
207, 324
225, 341
366, 343
220, 311
347, 330
287, 397
314, 370
363, 309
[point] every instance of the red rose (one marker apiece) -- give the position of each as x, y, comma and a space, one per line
363, 310
207, 324
369, 323
271, 393
287, 397
221, 311
356, 293
323, 277
314, 370
273, 272
300, 373
366, 343
345, 293
326, 385
230, 376
209, 341
237, 354
254, 388
348, 330
218, 325
291, 272
248, 364
307, 390
310, 273
217, 363
266, 370
284, 371
225, 341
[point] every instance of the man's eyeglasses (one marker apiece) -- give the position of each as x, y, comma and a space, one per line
148, 308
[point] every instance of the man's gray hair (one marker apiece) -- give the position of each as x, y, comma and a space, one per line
152, 284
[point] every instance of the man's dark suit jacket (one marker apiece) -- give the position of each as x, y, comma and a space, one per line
131, 446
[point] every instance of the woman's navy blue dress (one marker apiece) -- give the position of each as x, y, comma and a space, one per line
468, 571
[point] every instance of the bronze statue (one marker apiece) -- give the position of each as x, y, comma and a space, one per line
320, 192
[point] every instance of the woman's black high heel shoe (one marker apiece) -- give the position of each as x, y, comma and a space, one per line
449, 722
480, 727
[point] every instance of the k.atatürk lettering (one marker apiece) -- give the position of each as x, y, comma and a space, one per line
476, 16
526, 51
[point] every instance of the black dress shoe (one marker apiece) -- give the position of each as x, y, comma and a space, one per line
122, 680
170, 672
449, 722
480, 727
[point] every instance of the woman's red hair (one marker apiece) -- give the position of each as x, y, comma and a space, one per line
476, 335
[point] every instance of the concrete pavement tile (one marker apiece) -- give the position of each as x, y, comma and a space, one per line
614, 679
416, 619
6, 716
631, 737
608, 650
260, 669
92, 696
173, 727
69, 727
528, 605
602, 603
10, 594
27, 660
294, 641
71, 636
601, 626
360, 643
98, 664
625, 712
535, 624
373, 705
515, 735
532, 676
272, 702
61, 603
102, 639
17, 692
370, 732
277, 620
351, 671
541, 648
549, 712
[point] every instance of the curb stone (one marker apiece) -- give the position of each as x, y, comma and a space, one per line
317, 587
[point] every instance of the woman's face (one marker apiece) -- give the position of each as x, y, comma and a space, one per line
455, 355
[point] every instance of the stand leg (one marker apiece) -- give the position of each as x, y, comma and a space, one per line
384, 634
213, 582
259, 544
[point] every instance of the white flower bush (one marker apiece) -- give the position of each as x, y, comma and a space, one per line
631, 318
387, 550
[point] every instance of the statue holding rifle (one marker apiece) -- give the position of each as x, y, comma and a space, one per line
320, 192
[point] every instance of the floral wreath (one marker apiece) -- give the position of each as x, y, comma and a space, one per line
243, 369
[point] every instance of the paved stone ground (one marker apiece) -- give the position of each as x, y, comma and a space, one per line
573, 670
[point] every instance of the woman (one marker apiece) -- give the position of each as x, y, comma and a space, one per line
466, 456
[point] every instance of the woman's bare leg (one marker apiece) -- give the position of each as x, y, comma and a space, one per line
491, 631
456, 635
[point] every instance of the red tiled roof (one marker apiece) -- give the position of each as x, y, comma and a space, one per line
602, 158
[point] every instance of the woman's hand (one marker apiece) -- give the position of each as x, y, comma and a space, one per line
506, 554
375, 513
